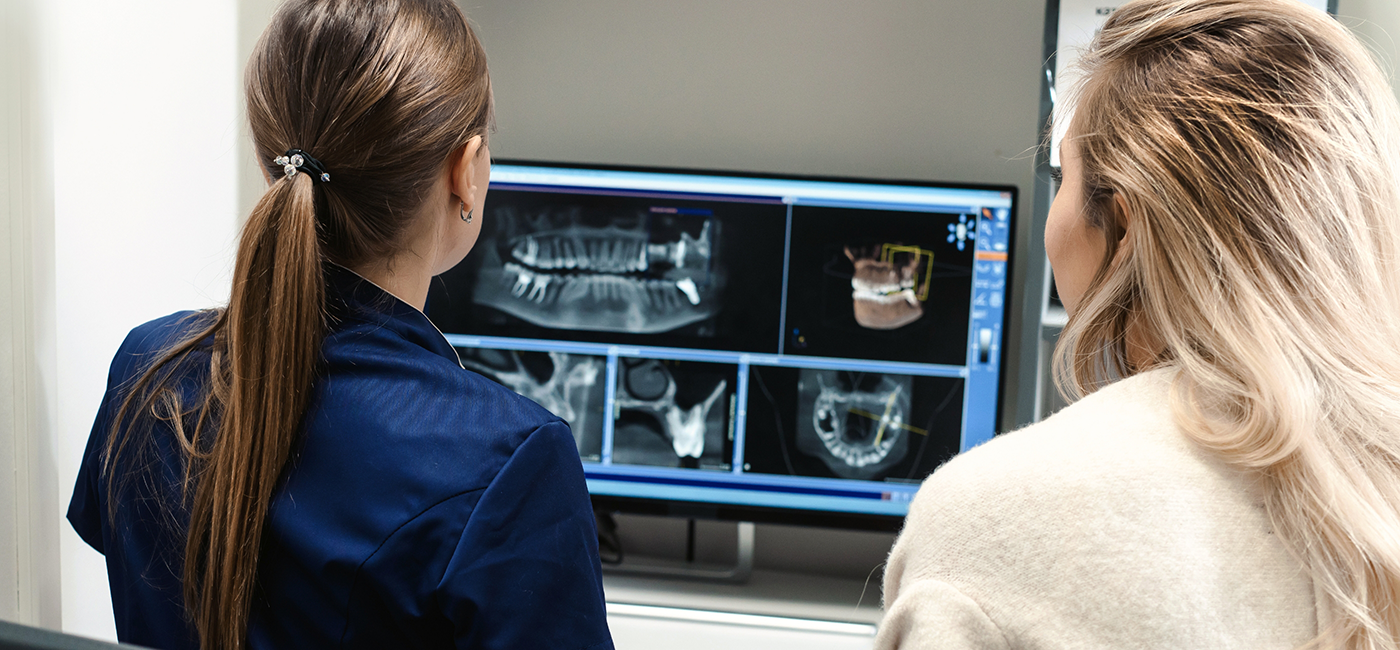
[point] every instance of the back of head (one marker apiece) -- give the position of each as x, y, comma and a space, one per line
1243, 160
381, 93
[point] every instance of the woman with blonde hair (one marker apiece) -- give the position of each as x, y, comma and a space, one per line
1227, 242
310, 466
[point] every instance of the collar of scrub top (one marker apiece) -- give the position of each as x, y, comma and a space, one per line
352, 297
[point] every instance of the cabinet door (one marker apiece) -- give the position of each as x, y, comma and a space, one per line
646, 628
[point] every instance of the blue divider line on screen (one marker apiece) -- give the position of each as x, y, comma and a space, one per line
971, 359
596, 470
787, 263
651, 194
729, 495
729, 481
733, 185
712, 356
886, 205
609, 393
741, 414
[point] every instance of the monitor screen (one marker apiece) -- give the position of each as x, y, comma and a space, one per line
770, 348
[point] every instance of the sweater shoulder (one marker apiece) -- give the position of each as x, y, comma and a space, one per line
1124, 430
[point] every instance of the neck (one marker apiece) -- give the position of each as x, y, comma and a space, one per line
406, 277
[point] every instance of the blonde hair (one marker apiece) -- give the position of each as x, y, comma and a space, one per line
1255, 148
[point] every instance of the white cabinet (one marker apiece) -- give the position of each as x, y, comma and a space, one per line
772, 611
645, 627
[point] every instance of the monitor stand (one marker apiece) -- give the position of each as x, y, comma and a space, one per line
689, 569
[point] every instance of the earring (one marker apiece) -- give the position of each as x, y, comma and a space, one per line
467, 217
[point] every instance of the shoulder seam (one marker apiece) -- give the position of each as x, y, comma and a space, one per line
354, 580
1005, 642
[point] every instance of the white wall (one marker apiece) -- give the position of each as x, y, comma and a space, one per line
1377, 22
144, 139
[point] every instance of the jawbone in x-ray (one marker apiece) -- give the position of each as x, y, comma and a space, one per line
856, 423
671, 414
570, 386
640, 273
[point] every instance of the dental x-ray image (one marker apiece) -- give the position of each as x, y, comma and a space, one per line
878, 284
620, 269
571, 386
848, 424
674, 414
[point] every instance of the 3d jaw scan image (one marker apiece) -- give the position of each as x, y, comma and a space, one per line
850, 424
673, 414
570, 386
886, 288
879, 284
620, 269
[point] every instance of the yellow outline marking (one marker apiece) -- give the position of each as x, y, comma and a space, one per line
888, 251
900, 425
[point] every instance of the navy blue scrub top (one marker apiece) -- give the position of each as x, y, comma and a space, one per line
424, 507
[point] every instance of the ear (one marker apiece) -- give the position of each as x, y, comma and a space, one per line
1128, 220
462, 166
1124, 216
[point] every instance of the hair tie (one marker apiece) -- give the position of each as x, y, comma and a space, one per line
296, 159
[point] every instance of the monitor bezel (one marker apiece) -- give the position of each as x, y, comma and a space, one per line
774, 514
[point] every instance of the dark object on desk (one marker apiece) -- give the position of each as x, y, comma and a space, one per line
22, 637
609, 542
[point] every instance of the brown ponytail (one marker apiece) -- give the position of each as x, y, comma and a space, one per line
274, 323
382, 93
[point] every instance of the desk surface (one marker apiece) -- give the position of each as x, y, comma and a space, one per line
771, 593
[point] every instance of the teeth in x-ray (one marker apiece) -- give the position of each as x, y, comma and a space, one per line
535, 287
858, 432
886, 406
610, 278
687, 287
884, 293
602, 250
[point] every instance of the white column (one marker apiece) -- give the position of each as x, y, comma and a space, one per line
145, 122
29, 565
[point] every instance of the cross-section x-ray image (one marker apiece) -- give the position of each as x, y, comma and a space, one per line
850, 424
855, 422
673, 414
571, 386
879, 284
645, 270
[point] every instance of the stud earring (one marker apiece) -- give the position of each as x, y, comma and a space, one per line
467, 217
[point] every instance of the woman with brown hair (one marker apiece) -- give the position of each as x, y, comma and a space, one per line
311, 466
1227, 242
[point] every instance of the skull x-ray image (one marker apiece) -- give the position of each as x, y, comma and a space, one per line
857, 423
570, 386
673, 414
640, 272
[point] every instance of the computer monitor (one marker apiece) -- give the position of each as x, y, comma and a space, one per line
742, 346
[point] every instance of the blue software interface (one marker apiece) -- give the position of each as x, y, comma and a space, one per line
782, 343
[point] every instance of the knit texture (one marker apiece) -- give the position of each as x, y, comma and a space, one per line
1103, 526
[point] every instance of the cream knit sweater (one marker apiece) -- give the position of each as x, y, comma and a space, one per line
1101, 527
